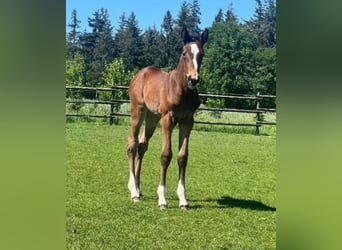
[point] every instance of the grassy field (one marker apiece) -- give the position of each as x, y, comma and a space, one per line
230, 188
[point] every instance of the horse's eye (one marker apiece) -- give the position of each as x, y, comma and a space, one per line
184, 53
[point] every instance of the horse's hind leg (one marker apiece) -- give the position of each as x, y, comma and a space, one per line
151, 122
137, 117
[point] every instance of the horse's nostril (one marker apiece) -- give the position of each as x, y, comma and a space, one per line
194, 80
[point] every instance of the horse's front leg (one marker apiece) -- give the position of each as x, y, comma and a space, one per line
165, 158
137, 116
185, 127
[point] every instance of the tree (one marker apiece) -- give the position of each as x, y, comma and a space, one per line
230, 15
264, 24
75, 71
227, 64
97, 46
135, 44
189, 16
167, 24
152, 47
73, 35
87, 45
271, 23
183, 19
195, 17
119, 37
219, 18
75, 76
264, 76
115, 73
169, 42
129, 42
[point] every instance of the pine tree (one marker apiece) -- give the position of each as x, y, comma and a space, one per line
259, 10
169, 42
195, 17
119, 37
152, 47
230, 15
183, 18
270, 18
219, 17
167, 25
135, 43
129, 42
189, 17
97, 46
87, 45
258, 23
72, 44
263, 23
100, 24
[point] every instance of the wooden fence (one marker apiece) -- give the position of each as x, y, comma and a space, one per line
114, 102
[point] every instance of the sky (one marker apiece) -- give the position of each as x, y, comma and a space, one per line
151, 12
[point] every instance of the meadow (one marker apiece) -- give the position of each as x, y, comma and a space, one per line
230, 189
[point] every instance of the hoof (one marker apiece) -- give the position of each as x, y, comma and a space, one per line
136, 199
162, 207
184, 207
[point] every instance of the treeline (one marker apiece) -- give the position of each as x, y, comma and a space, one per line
239, 57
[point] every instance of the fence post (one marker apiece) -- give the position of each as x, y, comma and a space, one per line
257, 130
111, 119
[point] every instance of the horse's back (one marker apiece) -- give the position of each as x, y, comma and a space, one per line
147, 76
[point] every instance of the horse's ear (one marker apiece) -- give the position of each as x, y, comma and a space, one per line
185, 36
204, 36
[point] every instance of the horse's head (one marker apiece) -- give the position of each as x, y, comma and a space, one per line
192, 55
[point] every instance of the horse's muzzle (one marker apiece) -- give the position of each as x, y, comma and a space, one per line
192, 83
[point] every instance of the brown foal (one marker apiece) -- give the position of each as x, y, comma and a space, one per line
172, 98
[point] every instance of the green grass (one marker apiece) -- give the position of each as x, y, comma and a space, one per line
230, 190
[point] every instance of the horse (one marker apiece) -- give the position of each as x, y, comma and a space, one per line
171, 98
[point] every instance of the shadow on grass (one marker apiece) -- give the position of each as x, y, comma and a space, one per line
221, 203
230, 202
227, 201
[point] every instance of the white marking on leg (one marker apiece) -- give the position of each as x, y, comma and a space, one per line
181, 194
161, 195
194, 51
132, 186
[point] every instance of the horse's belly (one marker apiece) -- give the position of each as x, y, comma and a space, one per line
153, 108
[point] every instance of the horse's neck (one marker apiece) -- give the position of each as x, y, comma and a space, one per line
177, 90
178, 74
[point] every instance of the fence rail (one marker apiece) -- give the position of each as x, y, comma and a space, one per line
258, 110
